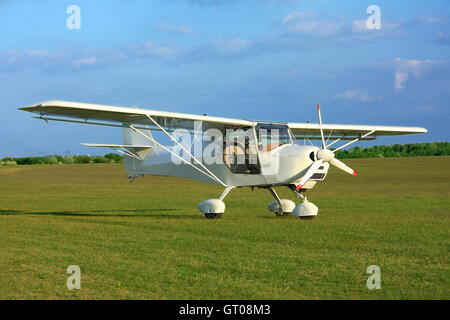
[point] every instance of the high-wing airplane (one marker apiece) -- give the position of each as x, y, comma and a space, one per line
230, 152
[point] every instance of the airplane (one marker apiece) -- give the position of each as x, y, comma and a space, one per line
233, 153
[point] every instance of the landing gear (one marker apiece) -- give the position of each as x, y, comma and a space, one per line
306, 210
214, 208
281, 207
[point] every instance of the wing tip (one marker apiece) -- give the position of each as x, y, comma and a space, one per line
32, 108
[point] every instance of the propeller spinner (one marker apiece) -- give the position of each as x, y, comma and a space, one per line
324, 155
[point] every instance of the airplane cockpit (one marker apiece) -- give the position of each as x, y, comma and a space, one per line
241, 146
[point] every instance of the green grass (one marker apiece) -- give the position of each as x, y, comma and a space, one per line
147, 240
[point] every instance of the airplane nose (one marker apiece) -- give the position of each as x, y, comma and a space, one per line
325, 155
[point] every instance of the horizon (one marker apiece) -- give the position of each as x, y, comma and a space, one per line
121, 155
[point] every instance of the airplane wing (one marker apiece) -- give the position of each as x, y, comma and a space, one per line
348, 131
117, 116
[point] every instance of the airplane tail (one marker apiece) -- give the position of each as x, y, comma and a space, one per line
130, 137
135, 147
140, 146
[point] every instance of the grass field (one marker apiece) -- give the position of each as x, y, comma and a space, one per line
147, 240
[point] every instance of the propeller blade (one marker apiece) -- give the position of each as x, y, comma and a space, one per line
339, 164
309, 173
320, 125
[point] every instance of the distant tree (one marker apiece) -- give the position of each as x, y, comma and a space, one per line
397, 150
68, 160
52, 160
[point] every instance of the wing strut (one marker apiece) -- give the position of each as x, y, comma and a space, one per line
335, 141
353, 141
185, 150
212, 176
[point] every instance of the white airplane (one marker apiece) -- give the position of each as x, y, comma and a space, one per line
235, 153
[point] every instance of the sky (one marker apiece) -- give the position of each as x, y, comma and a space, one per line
272, 60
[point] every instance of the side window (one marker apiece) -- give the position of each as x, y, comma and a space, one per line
239, 152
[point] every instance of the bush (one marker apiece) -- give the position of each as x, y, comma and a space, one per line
68, 160
52, 160
8, 163
113, 157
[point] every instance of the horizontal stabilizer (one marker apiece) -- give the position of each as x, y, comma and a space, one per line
135, 151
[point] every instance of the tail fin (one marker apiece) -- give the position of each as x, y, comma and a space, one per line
130, 137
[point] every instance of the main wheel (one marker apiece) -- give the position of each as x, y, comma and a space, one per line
211, 215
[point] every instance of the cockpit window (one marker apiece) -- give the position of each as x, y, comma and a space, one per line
271, 136
239, 152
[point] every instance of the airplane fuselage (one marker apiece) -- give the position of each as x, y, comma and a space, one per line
281, 166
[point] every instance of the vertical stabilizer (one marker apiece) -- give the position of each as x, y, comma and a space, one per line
132, 138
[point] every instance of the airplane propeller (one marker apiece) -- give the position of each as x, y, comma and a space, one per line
324, 155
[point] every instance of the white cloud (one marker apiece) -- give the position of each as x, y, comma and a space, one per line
403, 68
39, 53
230, 46
357, 95
88, 61
304, 23
296, 16
319, 28
360, 26
426, 109
431, 19
156, 49
400, 80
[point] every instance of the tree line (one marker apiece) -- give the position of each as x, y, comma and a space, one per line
395, 150
57, 159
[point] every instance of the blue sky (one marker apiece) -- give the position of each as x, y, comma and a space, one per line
260, 60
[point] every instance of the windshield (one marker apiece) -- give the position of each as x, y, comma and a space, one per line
271, 136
